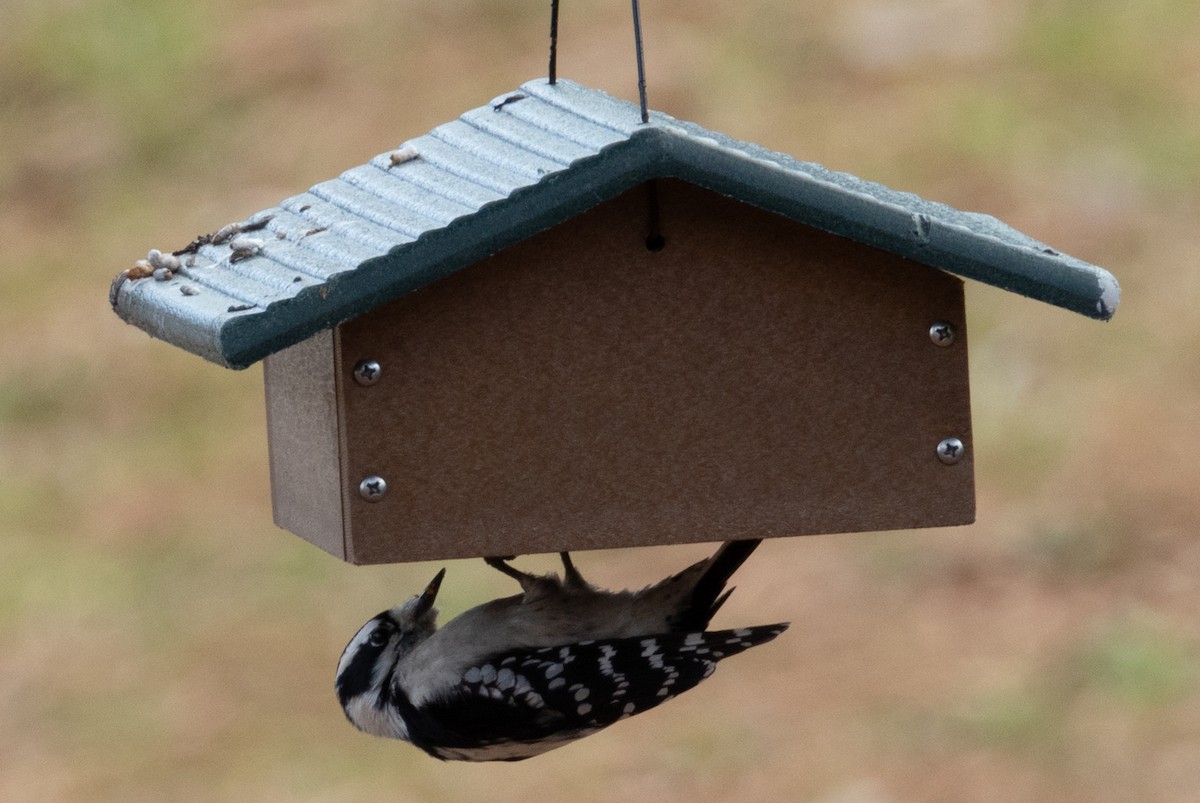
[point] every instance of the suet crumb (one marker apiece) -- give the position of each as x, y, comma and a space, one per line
402, 155
142, 269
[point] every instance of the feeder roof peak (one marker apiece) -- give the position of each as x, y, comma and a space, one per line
500, 173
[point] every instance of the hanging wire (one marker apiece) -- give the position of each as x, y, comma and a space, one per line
553, 42
654, 238
641, 62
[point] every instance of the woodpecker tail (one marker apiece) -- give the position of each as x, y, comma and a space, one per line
709, 593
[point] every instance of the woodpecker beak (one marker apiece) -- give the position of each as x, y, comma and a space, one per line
425, 601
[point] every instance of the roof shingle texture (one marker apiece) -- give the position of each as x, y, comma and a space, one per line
519, 165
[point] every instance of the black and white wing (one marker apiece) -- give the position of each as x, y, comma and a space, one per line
522, 703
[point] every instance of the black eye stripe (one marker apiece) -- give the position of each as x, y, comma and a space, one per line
357, 674
355, 679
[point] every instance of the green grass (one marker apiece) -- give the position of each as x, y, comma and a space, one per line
1129, 670
1017, 719
128, 53
1140, 664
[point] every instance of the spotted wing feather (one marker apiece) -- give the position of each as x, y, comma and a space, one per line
535, 700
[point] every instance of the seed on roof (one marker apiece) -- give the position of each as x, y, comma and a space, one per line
402, 155
244, 248
226, 233
162, 274
160, 260
188, 290
142, 269
258, 224
246, 244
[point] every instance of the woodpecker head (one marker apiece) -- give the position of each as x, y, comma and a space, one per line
369, 661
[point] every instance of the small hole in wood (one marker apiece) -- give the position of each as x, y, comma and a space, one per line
655, 242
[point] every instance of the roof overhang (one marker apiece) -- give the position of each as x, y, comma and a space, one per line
520, 165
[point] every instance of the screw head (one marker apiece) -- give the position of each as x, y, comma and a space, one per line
373, 488
367, 372
942, 334
951, 450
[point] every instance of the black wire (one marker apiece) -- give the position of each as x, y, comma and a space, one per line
641, 63
654, 238
553, 41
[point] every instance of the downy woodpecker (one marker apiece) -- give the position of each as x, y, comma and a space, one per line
516, 677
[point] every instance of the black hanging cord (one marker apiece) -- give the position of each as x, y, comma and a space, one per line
654, 237
553, 41
641, 62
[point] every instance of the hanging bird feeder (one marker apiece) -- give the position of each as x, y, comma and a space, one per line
563, 322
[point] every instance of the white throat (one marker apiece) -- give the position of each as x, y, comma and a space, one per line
370, 718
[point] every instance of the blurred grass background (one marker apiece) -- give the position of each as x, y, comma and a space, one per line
160, 639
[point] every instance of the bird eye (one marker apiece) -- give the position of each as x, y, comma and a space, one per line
378, 638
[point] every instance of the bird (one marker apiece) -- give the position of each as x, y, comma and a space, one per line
518, 676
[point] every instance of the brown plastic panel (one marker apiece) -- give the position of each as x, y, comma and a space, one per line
754, 377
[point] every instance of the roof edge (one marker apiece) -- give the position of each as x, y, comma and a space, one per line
969, 244
438, 253
521, 165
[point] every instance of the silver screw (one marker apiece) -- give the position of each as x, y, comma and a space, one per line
950, 451
373, 488
942, 334
367, 372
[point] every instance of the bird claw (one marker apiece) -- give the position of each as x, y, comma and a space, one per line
500, 564
571, 576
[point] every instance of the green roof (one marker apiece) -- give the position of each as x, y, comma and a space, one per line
514, 167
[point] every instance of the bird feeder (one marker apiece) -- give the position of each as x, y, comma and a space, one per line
549, 325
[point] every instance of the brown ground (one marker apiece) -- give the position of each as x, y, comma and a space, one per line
159, 639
